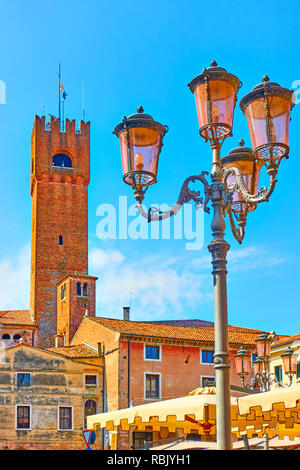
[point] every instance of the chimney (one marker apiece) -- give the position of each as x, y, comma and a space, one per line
59, 341
99, 349
126, 313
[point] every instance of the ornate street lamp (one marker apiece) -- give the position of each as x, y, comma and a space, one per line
242, 364
263, 377
267, 109
263, 345
289, 364
141, 141
233, 189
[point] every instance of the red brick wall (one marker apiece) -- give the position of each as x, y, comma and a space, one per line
178, 377
59, 207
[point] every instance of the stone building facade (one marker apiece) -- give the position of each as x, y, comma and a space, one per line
45, 396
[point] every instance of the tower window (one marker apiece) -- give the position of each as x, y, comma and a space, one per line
63, 292
60, 240
85, 290
62, 160
5, 336
79, 289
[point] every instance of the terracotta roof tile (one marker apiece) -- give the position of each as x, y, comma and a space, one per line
237, 335
285, 339
75, 351
16, 317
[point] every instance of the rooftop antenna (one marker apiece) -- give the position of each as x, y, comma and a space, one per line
60, 90
43, 109
82, 101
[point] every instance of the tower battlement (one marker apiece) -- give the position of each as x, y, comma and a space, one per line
54, 125
60, 156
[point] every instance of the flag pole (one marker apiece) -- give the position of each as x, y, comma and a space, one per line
59, 91
82, 101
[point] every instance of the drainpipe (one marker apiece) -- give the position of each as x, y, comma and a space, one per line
128, 381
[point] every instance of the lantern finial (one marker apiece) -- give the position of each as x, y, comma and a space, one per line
140, 109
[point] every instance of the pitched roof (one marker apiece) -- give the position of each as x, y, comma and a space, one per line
285, 339
16, 317
188, 322
76, 351
237, 335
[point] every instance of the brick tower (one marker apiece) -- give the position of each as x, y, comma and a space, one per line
75, 299
60, 174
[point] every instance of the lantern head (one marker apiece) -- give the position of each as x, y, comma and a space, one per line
215, 92
141, 140
267, 108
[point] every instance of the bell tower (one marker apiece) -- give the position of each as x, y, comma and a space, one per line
60, 175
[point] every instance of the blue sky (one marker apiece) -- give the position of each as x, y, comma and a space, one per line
144, 53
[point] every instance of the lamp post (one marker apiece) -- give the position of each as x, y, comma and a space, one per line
233, 190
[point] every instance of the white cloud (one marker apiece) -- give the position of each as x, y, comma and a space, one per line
243, 259
157, 285
161, 286
15, 280
254, 257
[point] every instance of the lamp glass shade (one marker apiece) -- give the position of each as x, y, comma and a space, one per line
140, 149
250, 169
289, 362
215, 93
257, 366
242, 362
263, 344
267, 108
222, 101
276, 129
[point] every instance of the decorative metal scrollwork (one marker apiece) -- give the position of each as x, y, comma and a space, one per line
237, 218
186, 195
239, 186
248, 200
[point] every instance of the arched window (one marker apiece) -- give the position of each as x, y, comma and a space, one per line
90, 408
62, 160
16, 337
78, 289
5, 337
